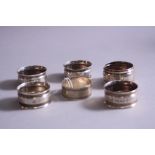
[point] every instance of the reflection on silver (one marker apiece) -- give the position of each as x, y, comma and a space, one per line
118, 70
78, 68
34, 94
120, 94
32, 73
76, 88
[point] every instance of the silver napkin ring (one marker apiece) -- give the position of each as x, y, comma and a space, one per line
77, 68
120, 94
32, 73
76, 88
118, 70
33, 94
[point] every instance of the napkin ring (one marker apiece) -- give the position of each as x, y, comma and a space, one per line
120, 94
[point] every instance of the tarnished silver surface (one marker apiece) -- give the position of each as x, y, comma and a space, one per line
76, 88
118, 70
34, 94
120, 94
32, 73
77, 68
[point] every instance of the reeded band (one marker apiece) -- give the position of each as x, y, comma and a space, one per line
118, 70
32, 73
78, 68
33, 94
120, 94
76, 88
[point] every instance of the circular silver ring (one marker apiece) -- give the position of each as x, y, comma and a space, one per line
76, 88
77, 68
32, 73
118, 70
120, 94
34, 94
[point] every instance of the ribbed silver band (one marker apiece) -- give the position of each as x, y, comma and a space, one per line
34, 94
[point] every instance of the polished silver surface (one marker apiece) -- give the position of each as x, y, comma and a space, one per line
76, 88
34, 94
118, 70
77, 68
120, 94
32, 73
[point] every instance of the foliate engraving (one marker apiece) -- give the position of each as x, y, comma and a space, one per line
120, 99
